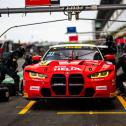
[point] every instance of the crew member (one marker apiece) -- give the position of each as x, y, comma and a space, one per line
9, 66
111, 45
121, 77
41, 52
28, 60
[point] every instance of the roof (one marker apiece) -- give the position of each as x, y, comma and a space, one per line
105, 14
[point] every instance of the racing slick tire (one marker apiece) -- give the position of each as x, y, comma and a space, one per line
4, 93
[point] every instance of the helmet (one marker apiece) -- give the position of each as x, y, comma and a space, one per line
28, 57
109, 38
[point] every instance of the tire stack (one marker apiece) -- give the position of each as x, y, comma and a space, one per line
4, 93
12, 88
7, 90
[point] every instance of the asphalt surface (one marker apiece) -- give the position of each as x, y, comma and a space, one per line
20, 112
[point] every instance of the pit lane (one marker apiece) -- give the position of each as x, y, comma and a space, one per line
20, 112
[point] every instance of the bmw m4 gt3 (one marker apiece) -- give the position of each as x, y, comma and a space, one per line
70, 71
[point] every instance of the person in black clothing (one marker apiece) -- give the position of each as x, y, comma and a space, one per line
9, 66
111, 45
111, 48
121, 77
28, 60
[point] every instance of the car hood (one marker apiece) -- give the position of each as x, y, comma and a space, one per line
71, 66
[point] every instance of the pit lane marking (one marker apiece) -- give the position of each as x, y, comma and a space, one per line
27, 107
91, 113
122, 101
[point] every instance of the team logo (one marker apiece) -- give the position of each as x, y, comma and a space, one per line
64, 68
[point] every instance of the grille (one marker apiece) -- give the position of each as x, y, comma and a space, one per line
76, 83
58, 83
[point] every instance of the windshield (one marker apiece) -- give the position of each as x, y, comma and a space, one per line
73, 53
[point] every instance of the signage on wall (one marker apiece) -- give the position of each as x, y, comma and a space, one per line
71, 30
41, 2
73, 38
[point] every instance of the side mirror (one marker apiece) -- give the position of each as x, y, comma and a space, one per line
36, 59
109, 57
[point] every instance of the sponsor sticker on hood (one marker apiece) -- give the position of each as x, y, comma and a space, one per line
65, 68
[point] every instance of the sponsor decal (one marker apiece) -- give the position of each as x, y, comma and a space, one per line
45, 63
64, 68
34, 88
101, 87
73, 47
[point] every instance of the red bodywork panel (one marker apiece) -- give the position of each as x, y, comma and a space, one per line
69, 79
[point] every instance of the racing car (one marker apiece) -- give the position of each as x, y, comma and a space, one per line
70, 71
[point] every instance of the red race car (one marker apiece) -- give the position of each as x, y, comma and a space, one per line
70, 71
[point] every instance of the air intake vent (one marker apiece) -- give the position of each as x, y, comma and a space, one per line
58, 83
76, 83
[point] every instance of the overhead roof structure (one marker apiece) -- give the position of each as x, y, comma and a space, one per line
103, 14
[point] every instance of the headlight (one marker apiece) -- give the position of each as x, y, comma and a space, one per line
99, 74
32, 74
37, 75
42, 76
